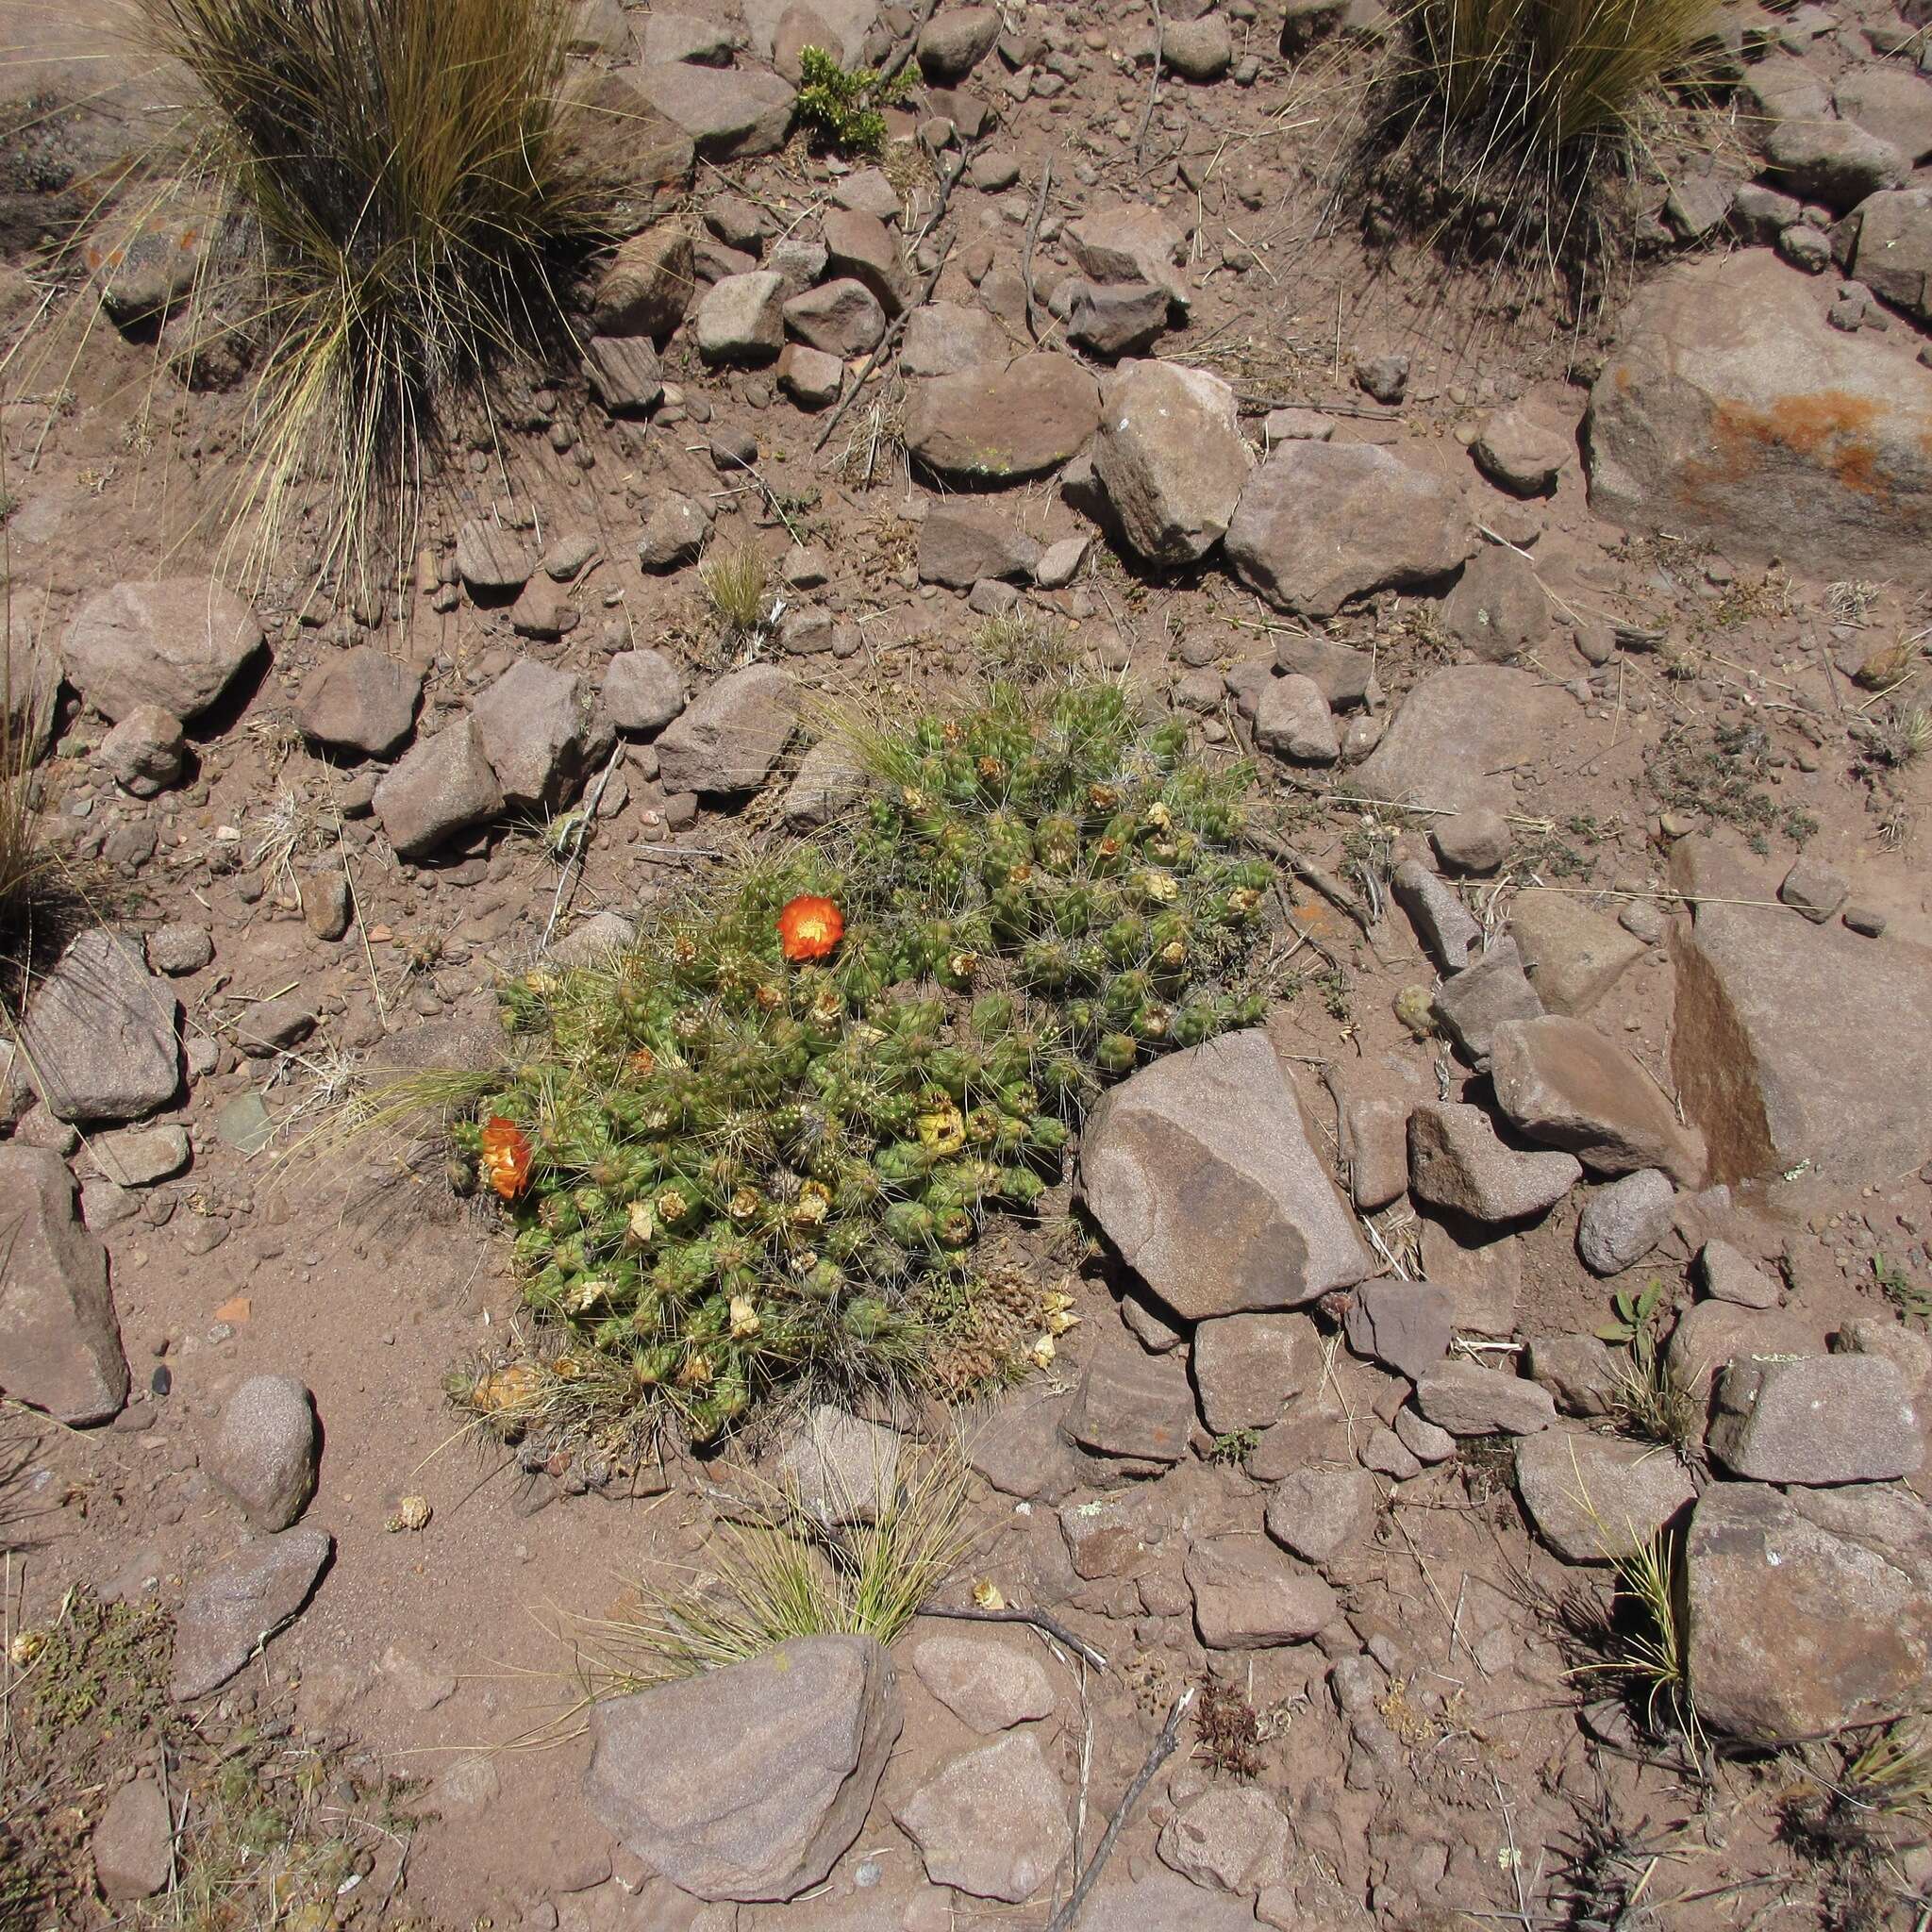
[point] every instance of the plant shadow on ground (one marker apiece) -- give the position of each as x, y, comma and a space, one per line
270, 1827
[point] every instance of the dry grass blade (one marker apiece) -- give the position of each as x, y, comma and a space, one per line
406, 191
736, 580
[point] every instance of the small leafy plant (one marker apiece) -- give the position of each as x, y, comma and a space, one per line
1232, 1447
846, 108
752, 1156
1652, 1399
1636, 1316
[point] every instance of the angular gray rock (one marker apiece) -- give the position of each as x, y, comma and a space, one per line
1729, 1276
1247, 1368
748, 1782
644, 291
1457, 736
539, 728
1562, 1082
944, 337
1518, 450
674, 532
593, 941
177, 642
1134, 242
1249, 1595
626, 373
1132, 1405
1837, 163
1444, 923
861, 247
1794, 1043
1623, 1223
1408, 1324
962, 541
265, 1450
1582, 1374
1734, 414
1573, 955
730, 737
1816, 1420
988, 1682
1485, 996
1111, 319
361, 702
1230, 1837
145, 751
992, 1824
491, 559
1294, 723
1321, 522
1807, 1610
234, 1609
1498, 609
729, 113
1471, 1400
1320, 1513
1596, 1499
997, 423
1887, 245
139, 1157
840, 1470
59, 1335
443, 785
1170, 456
955, 40
844, 318
133, 1843
829, 778
100, 1033
741, 318
1456, 1161
643, 691
1200, 1170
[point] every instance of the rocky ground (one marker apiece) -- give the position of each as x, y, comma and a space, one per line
1582, 656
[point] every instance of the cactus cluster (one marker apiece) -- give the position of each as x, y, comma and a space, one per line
737, 1160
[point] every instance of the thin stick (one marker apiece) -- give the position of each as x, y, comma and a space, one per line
1153, 85
887, 343
1038, 1619
1026, 253
1330, 889
580, 834
1162, 1750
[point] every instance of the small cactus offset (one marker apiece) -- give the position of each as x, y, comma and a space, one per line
756, 1151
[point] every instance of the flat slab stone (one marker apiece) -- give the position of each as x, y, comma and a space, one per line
233, 1608
1457, 734
998, 423
993, 1823
1249, 1595
1595, 1499
1816, 1419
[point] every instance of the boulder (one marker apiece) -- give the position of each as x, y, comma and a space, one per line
643, 691
361, 702
1562, 1083
1111, 319
1573, 955
741, 318
1584, 1375
1170, 456
140, 1157
1521, 450
1200, 50
647, 287
1132, 244
1456, 1161
729, 113
999, 423
637, 160
1247, 1368
1498, 609
673, 533
539, 730
1886, 99
1442, 923
960, 542
1294, 723
1471, 1400
1457, 735
443, 785
177, 642
1598, 1499
730, 737
1806, 1610
842, 318
1487, 994
1341, 672
265, 1450
955, 40
100, 1033
946, 338
859, 248
1837, 163
1201, 1170
59, 1335
751, 1781
1249, 1595
1708, 1335
1887, 245
829, 778
1816, 1420
230, 1611
1408, 1324
988, 1682
1734, 414
992, 1824
1792, 1042
144, 752
1730, 1276
626, 373
1321, 522
1623, 1223
491, 559
1131, 1405
592, 941
847, 21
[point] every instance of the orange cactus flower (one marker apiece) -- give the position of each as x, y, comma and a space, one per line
505, 1157
809, 928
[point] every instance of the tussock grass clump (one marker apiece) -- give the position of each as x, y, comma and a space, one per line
401, 176
753, 1155
1499, 123
735, 581
1642, 1636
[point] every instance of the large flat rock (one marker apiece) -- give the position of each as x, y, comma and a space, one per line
1457, 734
998, 423
1734, 412
1793, 1041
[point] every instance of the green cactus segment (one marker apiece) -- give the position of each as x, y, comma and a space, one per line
750, 1174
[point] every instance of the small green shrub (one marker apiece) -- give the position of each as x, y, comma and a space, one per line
733, 1173
1651, 1399
845, 108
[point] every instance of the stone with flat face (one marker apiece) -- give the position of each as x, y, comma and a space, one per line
998, 423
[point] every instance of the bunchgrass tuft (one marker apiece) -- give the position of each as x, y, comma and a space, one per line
735, 582
750, 1158
787, 1577
1642, 1638
402, 184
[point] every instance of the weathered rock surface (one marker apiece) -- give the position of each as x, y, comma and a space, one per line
1488, 994
1498, 609
1887, 245
1294, 723
1797, 1043
1455, 737
840, 1470
729, 113
1132, 1405
99, 1033
1248, 1595
647, 287
1171, 458
233, 1608
541, 732
361, 702
1815, 1420
998, 424
59, 1335
1248, 1367
1573, 955
265, 1450
1734, 413
1200, 1170
1320, 1513
643, 690
133, 1843
1444, 923
730, 736
741, 318
1135, 243
748, 1782
1595, 1499
962, 541
842, 318
1320, 522
1456, 1161
1807, 1610
993, 1823
1561, 1082
443, 785
1405, 1323
177, 642
144, 752
1623, 1223
988, 1682
1471, 1400
1232, 1837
